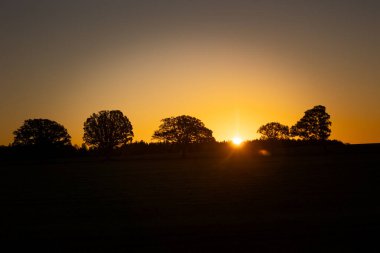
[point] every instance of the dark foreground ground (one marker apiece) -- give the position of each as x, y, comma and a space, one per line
240, 203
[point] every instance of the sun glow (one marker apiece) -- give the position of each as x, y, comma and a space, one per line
237, 140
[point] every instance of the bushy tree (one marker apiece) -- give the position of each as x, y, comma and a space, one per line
274, 131
41, 133
107, 129
314, 125
183, 130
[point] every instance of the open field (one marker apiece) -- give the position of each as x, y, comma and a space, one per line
239, 203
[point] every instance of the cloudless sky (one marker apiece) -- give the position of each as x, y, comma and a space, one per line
235, 65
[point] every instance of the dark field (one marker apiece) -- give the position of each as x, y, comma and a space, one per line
238, 204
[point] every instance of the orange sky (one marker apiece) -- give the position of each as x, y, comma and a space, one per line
234, 74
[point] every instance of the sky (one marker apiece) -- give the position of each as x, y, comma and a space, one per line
235, 65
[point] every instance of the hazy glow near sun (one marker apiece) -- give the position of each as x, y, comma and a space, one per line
237, 140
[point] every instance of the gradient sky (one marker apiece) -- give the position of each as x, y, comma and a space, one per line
234, 64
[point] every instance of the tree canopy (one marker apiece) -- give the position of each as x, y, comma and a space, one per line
274, 131
183, 130
42, 133
314, 125
107, 129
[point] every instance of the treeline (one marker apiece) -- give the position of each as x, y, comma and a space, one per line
169, 150
111, 132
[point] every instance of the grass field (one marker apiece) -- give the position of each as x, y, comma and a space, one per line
239, 203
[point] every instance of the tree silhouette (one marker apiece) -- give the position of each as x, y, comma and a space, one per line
107, 129
314, 125
183, 130
274, 131
41, 133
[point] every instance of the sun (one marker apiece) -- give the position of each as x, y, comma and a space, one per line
237, 140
